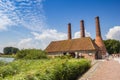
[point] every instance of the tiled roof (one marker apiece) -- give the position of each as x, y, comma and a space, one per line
78, 44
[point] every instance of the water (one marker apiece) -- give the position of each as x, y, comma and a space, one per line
6, 59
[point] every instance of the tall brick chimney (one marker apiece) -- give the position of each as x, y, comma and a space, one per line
98, 40
98, 31
82, 28
69, 31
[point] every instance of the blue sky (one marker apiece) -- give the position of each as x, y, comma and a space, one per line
35, 23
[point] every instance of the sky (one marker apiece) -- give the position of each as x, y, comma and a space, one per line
35, 23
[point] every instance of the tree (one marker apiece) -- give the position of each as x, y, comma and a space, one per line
31, 54
112, 46
15, 50
10, 50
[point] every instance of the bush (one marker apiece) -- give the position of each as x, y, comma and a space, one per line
31, 54
64, 70
2, 63
64, 57
8, 70
53, 69
70, 70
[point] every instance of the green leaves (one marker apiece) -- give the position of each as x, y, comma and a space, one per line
113, 46
31, 54
8, 70
45, 69
2, 63
10, 50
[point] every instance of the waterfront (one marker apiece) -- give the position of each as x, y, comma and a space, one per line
6, 59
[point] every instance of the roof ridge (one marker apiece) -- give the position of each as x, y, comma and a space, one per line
70, 39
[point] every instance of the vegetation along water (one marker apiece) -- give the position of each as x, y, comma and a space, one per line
32, 67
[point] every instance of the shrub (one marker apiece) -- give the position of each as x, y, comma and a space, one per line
64, 57
53, 69
8, 70
71, 70
31, 54
2, 63
64, 70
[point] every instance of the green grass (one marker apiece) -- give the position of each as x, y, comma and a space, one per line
45, 69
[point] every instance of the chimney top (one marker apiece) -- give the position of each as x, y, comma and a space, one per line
69, 23
82, 20
97, 17
69, 31
98, 31
82, 28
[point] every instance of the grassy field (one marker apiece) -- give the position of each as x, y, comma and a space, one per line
45, 69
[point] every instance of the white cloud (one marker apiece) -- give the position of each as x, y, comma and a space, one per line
38, 40
46, 36
77, 34
6, 11
50, 34
1, 49
21, 44
28, 43
31, 14
26, 13
4, 22
114, 33
25, 41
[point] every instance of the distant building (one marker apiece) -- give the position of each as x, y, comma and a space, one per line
80, 47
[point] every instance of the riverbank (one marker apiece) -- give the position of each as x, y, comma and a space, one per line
7, 56
5, 59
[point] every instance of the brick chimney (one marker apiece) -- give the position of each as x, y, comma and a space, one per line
69, 31
82, 28
98, 31
98, 40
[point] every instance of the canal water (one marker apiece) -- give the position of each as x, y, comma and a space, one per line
6, 59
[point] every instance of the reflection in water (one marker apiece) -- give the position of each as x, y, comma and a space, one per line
6, 59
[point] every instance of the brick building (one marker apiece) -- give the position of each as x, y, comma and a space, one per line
79, 47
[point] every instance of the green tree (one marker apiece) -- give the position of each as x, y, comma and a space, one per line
31, 54
10, 50
15, 50
112, 46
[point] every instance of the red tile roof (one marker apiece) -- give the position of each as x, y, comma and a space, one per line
78, 44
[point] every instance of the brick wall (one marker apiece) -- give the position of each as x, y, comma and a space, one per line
89, 56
